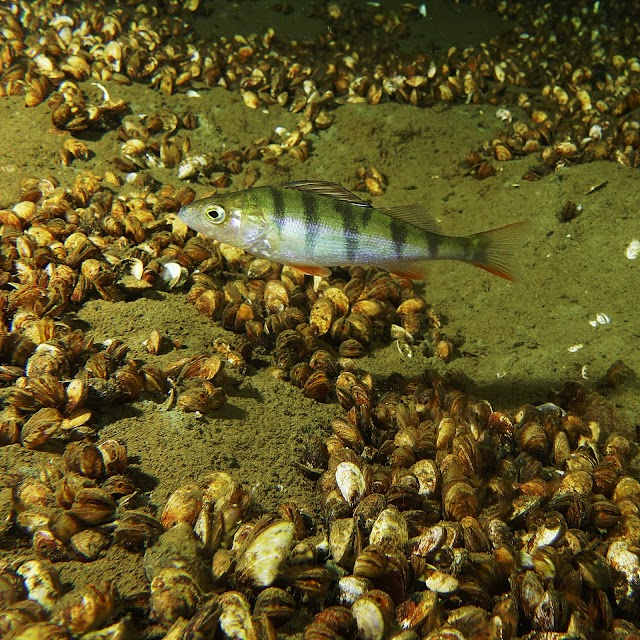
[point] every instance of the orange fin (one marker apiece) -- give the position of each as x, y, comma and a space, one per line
411, 270
312, 270
494, 250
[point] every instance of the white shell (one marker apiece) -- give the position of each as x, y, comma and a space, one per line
235, 620
595, 133
601, 319
429, 541
173, 275
41, 581
134, 147
576, 482
113, 55
137, 268
621, 558
545, 536
441, 582
65, 34
389, 530
350, 588
504, 115
251, 99
341, 539
44, 64
626, 564
633, 250
351, 482
428, 475
262, 559
370, 617
193, 164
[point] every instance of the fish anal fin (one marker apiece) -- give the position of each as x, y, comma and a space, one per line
414, 214
312, 270
328, 190
496, 271
410, 270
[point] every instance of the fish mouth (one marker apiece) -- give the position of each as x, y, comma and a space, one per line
187, 215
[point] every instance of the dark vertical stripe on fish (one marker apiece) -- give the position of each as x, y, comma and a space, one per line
278, 208
311, 220
365, 216
434, 244
350, 229
399, 232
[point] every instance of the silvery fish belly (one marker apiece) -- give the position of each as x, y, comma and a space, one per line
316, 225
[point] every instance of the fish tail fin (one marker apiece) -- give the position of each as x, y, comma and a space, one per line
494, 250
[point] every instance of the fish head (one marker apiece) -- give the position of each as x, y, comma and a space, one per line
232, 218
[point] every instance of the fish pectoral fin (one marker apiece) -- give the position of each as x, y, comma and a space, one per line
414, 214
411, 270
312, 270
328, 190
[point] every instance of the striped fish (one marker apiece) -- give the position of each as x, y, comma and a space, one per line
315, 225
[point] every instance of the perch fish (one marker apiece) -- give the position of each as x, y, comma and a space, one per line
314, 225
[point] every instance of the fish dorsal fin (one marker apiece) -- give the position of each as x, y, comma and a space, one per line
414, 214
327, 189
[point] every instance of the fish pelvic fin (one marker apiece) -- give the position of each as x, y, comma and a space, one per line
494, 250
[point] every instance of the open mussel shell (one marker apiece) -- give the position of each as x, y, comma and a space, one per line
260, 561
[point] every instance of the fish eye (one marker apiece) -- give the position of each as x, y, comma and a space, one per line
215, 213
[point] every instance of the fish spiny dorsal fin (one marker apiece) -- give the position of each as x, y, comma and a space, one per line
328, 190
413, 214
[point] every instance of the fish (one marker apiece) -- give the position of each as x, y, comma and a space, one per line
315, 225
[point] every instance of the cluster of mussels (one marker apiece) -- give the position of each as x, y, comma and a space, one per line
475, 523
64, 246
315, 332
572, 70
60, 247
80, 504
442, 519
